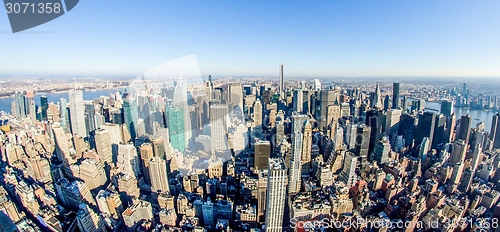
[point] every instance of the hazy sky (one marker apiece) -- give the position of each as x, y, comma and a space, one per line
240, 38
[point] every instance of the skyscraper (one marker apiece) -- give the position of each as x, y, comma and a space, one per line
362, 143
219, 121
395, 96
425, 128
295, 164
77, 114
392, 122
381, 151
281, 87
88, 220
306, 148
181, 101
158, 172
236, 95
447, 108
262, 152
176, 128
276, 194
130, 115
257, 114
495, 131
90, 124
298, 99
464, 128
326, 98
63, 114
44, 106
103, 146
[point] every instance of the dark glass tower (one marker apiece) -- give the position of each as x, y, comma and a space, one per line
44, 106
465, 126
395, 96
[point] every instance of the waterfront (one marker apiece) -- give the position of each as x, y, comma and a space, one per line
5, 103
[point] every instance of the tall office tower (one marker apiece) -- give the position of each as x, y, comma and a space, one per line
91, 172
276, 195
374, 119
158, 173
103, 146
317, 85
439, 131
88, 220
146, 152
74, 193
376, 101
261, 195
44, 106
130, 115
495, 131
219, 121
395, 96
31, 106
392, 122
348, 173
335, 112
64, 115
114, 131
458, 151
425, 146
127, 160
76, 110
19, 103
425, 128
282, 85
52, 112
338, 139
176, 128
139, 211
298, 100
362, 143
89, 115
447, 107
280, 133
381, 151
387, 104
181, 101
464, 128
127, 186
109, 203
464, 89
257, 114
262, 152
63, 146
294, 180
306, 148
236, 95
418, 105
298, 121
327, 97
449, 132
476, 156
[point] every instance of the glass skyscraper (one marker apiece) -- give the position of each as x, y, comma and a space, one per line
175, 119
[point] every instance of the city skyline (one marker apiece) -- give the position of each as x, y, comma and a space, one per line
339, 39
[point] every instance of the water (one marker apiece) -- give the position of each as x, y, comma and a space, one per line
477, 115
5, 103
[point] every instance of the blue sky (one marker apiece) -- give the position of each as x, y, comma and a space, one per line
250, 38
